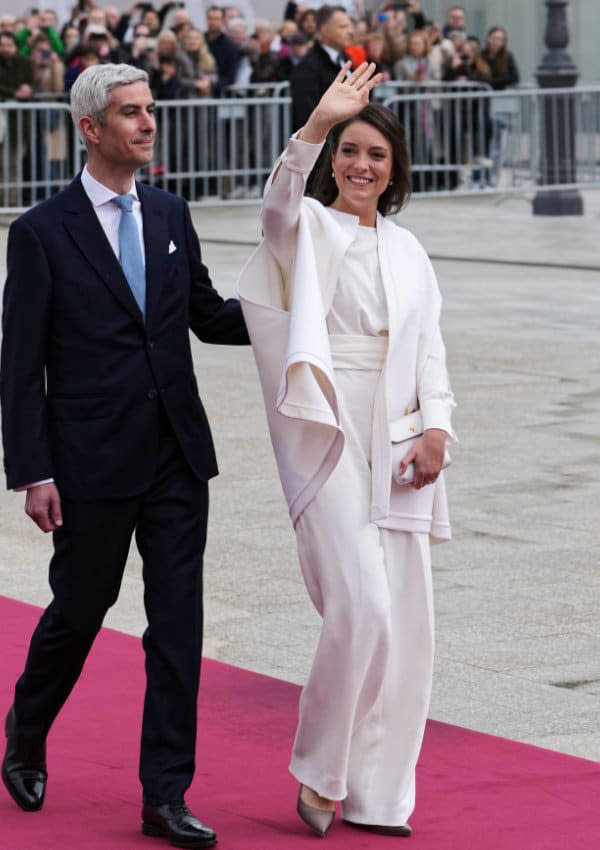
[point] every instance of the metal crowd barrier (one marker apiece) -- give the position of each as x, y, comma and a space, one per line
258, 90
389, 88
39, 152
220, 149
462, 139
515, 141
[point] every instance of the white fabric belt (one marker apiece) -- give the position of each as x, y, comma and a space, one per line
350, 351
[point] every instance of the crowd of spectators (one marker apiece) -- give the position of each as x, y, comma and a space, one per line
41, 56
185, 61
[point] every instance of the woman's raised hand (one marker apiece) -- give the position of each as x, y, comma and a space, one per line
345, 97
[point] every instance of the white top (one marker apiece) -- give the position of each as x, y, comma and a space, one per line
359, 304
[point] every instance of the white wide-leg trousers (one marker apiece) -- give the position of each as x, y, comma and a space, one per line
364, 706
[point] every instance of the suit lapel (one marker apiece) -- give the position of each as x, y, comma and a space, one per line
156, 246
82, 223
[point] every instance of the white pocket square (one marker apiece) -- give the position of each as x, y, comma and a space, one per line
172, 247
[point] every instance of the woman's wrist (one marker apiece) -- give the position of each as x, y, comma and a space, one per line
315, 130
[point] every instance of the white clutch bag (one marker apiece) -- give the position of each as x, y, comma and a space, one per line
404, 433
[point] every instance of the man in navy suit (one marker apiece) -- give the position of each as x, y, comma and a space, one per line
104, 429
311, 77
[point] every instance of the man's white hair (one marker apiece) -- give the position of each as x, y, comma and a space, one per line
92, 89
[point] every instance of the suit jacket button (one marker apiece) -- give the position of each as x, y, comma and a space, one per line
152, 394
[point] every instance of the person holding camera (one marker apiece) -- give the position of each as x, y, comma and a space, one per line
103, 40
49, 145
49, 72
468, 64
16, 83
476, 126
392, 20
141, 50
39, 22
140, 13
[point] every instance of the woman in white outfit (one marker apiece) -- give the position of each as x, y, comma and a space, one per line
343, 310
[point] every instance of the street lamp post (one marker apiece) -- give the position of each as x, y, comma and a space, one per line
557, 138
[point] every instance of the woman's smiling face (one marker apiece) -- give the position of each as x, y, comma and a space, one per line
362, 167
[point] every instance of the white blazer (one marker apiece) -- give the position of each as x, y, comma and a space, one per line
286, 289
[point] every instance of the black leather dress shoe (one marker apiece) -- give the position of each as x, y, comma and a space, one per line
175, 822
24, 767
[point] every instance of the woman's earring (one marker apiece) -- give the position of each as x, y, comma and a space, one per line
333, 173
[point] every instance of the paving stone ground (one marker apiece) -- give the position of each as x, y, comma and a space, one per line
518, 589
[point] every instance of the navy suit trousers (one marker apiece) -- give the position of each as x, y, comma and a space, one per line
90, 550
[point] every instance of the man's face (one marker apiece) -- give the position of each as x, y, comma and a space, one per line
309, 24
33, 21
181, 16
396, 20
232, 12
126, 138
112, 16
214, 21
152, 21
97, 16
238, 34
337, 32
456, 19
48, 19
7, 48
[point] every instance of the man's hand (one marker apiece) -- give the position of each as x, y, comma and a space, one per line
42, 504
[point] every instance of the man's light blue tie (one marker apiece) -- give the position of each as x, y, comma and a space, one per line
130, 251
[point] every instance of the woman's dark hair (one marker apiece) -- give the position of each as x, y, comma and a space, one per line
324, 188
499, 62
308, 13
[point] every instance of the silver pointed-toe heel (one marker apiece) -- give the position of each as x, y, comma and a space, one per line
318, 819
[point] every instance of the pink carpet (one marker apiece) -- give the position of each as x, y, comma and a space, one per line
474, 792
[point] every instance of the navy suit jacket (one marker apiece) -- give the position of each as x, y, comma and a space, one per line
82, 376
309, 81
